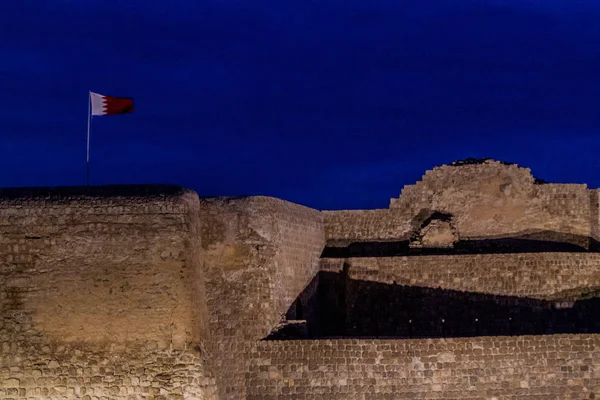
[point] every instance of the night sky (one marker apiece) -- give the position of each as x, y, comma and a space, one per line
328, 103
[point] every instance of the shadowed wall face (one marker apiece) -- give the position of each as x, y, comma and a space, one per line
336, 305
357, 308
544, 276
94, 287
450, 296
466, 295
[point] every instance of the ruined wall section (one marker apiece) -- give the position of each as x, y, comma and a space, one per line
541, 367
487, 201
544, 276
260, 253
493, 199
101, 294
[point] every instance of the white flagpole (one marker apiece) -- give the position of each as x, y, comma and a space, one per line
87, 157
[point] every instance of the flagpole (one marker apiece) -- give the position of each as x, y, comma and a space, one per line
87, 155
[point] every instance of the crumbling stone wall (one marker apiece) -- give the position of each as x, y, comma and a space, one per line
488, 200
532, 367
260, 253
102, 295
495, 199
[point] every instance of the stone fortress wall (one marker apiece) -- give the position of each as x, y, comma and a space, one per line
519, 367
152, 293
511, 256
259, 254
486, 200
102, 295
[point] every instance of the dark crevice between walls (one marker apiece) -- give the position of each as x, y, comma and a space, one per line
555, 242
340, 307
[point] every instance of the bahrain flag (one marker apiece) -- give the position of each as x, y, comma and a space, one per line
110, 105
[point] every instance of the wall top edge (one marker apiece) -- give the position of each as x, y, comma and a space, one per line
252, 199
100, 193
475, 339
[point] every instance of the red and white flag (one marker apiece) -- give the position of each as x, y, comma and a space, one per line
110, 105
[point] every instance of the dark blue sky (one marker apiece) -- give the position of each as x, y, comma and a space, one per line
328, 103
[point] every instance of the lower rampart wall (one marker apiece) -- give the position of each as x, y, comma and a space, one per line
545, 276
39, 370
520, 367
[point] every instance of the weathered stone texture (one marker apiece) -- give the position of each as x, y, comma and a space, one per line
260, 253
531, 367
494, 199
112, 282
343, 227
595, 218
150, 293
486, 201
544, 276
32, 369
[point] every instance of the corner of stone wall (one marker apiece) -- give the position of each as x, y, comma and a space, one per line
260, 253
201, 330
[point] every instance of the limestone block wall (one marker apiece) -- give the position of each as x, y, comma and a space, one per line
489, 200
518, 367
259, 254
492, 198
544, 276
345, 226
101, 295
77, 371
595, 218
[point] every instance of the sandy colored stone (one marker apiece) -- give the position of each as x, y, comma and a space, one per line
140, 293
112, 282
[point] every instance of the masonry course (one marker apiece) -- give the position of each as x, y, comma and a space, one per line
149, 292
533, 367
